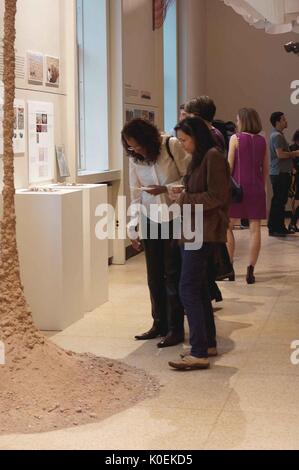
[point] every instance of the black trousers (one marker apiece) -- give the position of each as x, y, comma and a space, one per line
163, 262
281, 185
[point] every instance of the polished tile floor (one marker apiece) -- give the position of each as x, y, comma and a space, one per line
249, 399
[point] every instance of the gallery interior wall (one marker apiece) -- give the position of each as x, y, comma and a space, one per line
143, 65
247, 67
41, 27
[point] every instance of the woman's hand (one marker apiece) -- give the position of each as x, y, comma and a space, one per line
156, 190
175, 192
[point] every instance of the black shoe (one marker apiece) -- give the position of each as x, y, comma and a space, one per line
293, 228
218, 297
153, 333
250, 276
172, 339
288, 231
277, 234
216, 293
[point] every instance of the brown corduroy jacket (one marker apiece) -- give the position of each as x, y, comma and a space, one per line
209, 185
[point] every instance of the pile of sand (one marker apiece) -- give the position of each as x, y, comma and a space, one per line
43, 388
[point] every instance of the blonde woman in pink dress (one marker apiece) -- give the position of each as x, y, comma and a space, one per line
248, 160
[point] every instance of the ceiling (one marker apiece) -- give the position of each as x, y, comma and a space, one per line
275, 16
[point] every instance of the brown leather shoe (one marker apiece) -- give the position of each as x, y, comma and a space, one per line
212, 352
171, 339
190, 363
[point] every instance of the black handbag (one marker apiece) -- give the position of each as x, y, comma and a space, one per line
236, 191
236, 188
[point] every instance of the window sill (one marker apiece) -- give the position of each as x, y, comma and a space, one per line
94, 177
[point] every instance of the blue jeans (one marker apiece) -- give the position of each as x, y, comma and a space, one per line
195, 297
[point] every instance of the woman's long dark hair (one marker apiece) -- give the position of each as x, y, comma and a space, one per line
196, 128
146, 135
296, 136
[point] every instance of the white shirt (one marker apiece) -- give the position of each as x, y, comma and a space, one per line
166, 171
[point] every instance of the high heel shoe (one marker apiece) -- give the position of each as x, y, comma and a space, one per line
293, 228
250, 278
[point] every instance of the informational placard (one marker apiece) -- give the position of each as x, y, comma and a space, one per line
19, 136
41, 141
133, 112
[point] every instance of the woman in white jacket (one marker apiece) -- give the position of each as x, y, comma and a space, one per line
157, 162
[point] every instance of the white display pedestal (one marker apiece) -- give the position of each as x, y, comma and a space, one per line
95, 252
50, 241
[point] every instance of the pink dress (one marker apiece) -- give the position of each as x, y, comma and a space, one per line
248, 172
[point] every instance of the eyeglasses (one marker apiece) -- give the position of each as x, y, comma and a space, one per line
134, 149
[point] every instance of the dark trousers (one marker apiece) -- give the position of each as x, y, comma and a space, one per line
280, 185
196, 300
163, 262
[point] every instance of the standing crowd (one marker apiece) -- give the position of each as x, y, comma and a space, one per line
224, 168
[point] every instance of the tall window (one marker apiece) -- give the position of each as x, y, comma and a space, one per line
170, 68
92, 34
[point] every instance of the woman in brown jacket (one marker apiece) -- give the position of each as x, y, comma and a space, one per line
208, 184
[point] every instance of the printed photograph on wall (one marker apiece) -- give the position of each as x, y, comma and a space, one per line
62, 163
137, 113
21, 118
35, 68
19, 127
53, 71
144, 114
129, 115
151, 116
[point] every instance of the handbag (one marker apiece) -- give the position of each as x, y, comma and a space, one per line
236, 191
236, 188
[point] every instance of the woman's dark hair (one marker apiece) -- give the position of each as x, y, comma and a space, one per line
296, 136
146, 135
203, 107
276, 117
196, 128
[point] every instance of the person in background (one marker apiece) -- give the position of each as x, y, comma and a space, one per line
205, 108
207, 183
248, 160
152, 169
182, 113
281, 165
295, 205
